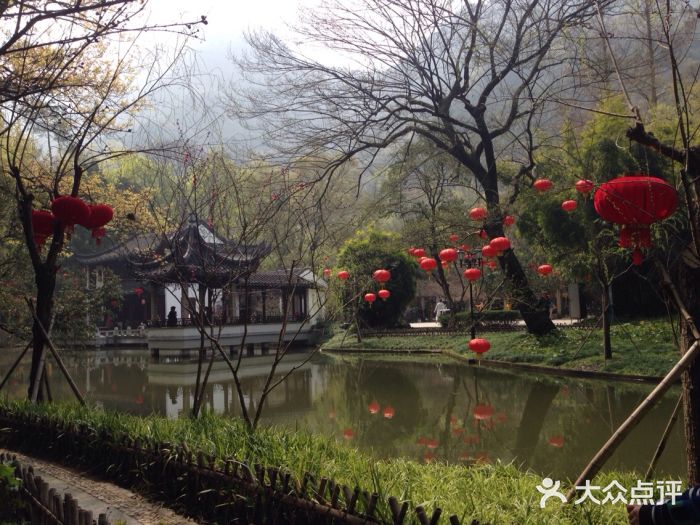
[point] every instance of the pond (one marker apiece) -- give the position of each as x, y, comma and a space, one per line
427, 409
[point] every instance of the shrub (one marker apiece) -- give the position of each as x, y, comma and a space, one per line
490, 318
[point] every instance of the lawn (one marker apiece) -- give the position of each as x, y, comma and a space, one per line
646, 347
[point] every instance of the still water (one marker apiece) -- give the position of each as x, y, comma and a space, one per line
425, 410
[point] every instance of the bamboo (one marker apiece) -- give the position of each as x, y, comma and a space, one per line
58, 359
664, 438
631, 422
15, 364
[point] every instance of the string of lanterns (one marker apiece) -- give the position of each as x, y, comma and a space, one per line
67, 211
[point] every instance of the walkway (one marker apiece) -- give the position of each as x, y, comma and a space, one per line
520, 322
121, 506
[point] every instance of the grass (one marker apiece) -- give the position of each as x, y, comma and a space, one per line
639, 348
496, 494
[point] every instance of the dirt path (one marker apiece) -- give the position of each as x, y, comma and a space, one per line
122, 506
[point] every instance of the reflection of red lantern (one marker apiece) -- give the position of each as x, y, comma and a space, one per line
544, 269
370, 298
477, 214
488, 251
139, 400
373, 407
432, 444
143, 301
448, 255
70, 210
542, 185
479, 346
343, 275
428, 264
635, 202
348, 434
389, 412
384, 294
584, 186
508, 220
556, 441
381, 276
500, 244
569, 205
472, 274
483, 412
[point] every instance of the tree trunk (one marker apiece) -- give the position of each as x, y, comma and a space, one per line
607, 317
45, 279
538, 403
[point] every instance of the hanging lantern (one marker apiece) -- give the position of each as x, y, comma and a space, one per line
384, 294
389, 412
478, 213
584, 186
454, 238
483, 234
381, 276
70, 210
508, 220
472, 274
418, 253
483, 412
448, 255
464, 247
370, 298
138, 291
428, 264
488, 251
569, 205
479, 346
411, 251
343, 275
500, 244
542, 185
100, 214
327, 273
544, 269
635, 202
42, 225
373, 407
491, 264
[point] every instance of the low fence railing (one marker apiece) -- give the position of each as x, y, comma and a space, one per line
230, 491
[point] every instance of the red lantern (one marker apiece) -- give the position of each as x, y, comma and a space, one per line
454, 238
370, 298
381, 276
508, 220
635, 202
500, 244
542, 185
488, 251
373, 407
472, 274
483, 412
464, 248
384, 294
491, 264
483, 234
70, 210
327, 273
343, 275
544, 269
569, 205
389, 412
477, 214
418, 253
42, 222
138, 291
100, 214
448, 255
428, 264
584, 186
479, 346
411, 251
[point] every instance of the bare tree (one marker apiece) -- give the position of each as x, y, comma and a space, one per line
470, 79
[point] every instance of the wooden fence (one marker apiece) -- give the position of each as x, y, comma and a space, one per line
46, 506
230, 491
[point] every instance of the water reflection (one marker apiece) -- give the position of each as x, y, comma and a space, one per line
426, 411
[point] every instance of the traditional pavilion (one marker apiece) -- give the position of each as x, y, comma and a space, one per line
193, 267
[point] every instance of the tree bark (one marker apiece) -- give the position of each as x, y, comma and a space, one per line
45, 279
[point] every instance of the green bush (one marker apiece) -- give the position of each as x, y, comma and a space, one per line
463, 320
